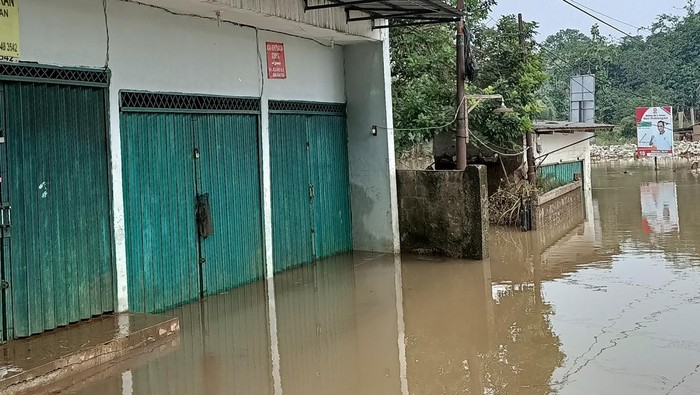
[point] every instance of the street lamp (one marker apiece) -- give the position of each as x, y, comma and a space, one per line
479, 98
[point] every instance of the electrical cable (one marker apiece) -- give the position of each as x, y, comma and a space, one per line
176, 13
104, 8
496, 151
260, 62
556, 57
597, 18
608, 16
428, 127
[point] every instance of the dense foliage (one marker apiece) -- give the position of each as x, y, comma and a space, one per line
657, 66
660, 68
423, 74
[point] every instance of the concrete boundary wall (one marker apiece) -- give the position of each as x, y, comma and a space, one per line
557, 206
444, 212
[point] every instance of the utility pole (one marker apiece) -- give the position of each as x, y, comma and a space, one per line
530, 154
462, 123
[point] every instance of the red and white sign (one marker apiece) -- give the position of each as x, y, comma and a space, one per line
276, 65
654, 131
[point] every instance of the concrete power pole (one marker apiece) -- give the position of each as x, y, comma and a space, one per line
462, 123
530, 154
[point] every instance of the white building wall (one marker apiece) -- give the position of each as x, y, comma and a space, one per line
581, 151
152, 50
372, 161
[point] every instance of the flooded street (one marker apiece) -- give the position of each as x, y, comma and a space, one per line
606, 304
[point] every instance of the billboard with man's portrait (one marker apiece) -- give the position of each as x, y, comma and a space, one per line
655, 131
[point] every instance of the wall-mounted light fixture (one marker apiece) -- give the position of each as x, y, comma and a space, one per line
374, 130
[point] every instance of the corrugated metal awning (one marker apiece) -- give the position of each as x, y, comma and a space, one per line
396, 12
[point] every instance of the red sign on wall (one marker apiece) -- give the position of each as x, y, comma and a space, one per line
276, 65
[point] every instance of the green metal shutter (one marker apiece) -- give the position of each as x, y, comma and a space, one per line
176, 147
229, 171
61, 245
330, 176
159, 192
291, 214
311, 213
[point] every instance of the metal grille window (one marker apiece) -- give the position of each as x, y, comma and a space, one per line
73, 76
279, 106
164, 102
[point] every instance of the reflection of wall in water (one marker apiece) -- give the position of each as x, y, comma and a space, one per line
447, 305
688, 189
377, 303
316, 327
224, 348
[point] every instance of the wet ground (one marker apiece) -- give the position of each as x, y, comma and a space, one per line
604, 305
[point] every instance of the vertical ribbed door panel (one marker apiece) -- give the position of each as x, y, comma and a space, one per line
291, 215
228, 170
159, 201
61, 243
330, 176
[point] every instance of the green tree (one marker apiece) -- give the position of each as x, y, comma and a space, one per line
659, 69
508, 69
423, 77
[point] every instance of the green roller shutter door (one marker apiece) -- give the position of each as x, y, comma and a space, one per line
291, 213
60, 243
170, 158
229, 172
159, 198
330, 176
311, 213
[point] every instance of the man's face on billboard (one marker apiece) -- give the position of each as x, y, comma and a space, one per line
661, 126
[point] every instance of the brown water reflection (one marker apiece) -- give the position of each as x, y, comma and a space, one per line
606, 304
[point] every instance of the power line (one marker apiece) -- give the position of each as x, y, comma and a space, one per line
428, 127
608, 16
473, 135
597, 18
555, 56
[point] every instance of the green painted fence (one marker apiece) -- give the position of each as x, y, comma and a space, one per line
561, 173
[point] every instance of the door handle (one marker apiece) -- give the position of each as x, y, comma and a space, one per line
312, 192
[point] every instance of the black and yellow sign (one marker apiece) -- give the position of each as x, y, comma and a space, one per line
9, 28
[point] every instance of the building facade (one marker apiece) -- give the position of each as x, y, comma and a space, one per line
156, 152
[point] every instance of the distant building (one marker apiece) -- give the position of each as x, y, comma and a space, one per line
564, 148
689, 133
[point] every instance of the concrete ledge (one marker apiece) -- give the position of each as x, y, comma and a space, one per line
38, 362
557, 206
558, 192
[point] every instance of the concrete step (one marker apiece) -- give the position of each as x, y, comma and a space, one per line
54, 360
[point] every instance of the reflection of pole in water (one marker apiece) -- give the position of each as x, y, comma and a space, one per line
401, 325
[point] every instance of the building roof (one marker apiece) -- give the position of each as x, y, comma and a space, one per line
548, 127
397, 12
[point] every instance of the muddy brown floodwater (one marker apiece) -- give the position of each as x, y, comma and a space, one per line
608, 304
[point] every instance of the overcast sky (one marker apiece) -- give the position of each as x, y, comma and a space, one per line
554, 15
